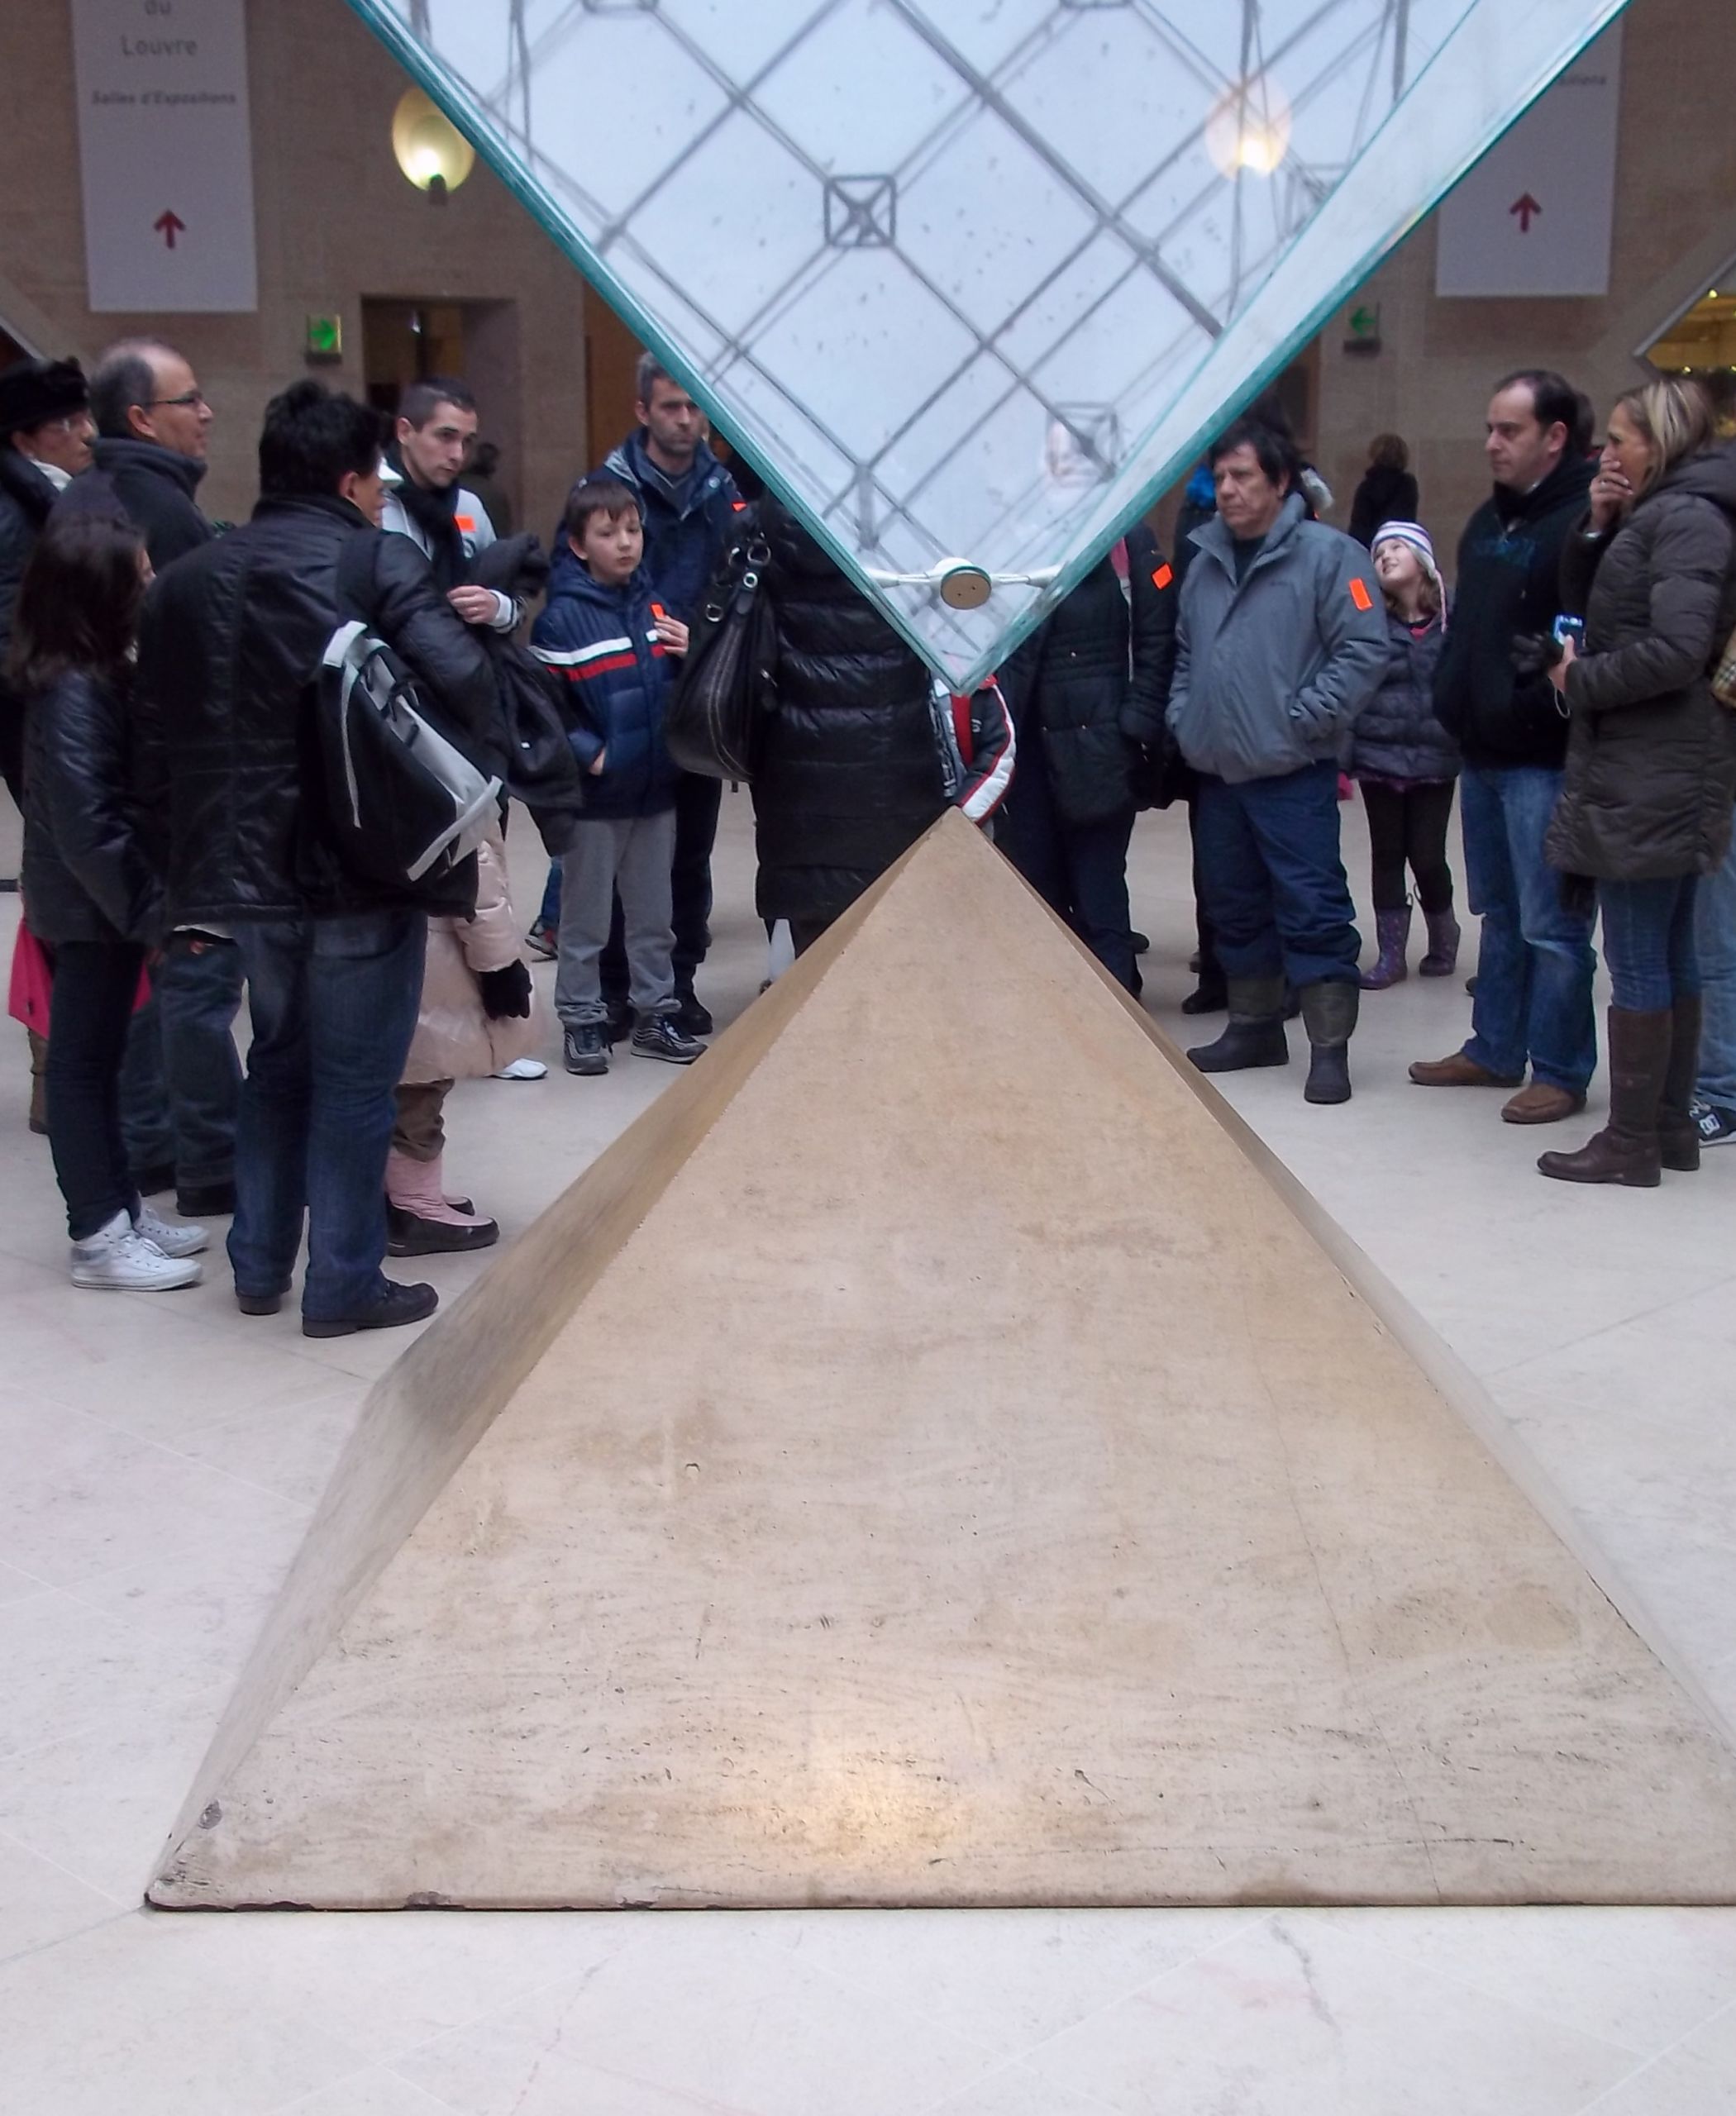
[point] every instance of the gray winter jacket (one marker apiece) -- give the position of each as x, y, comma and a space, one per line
1271, 672
1397, 735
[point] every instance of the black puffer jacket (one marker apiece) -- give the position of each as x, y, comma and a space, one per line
153, 487
25, 496
231, 641
85, 876
850, 775
1652, 754
1089, 686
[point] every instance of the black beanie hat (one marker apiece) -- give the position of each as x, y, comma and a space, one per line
34, 391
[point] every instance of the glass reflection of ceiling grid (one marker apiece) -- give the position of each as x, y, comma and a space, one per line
975, 279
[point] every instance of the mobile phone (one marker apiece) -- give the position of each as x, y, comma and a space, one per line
1573, 628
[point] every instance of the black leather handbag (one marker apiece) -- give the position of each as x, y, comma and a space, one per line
724, 692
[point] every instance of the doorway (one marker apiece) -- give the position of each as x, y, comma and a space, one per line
406, 340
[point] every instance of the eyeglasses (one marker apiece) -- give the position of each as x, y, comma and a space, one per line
187, 401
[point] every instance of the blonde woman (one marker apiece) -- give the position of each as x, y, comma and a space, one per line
1645, 805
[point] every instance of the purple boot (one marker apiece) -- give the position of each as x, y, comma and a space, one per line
1443, 957
1392, 931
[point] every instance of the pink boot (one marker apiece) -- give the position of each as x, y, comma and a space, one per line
421, 1221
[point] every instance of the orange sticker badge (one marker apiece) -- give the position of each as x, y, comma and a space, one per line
1359, 594
1163, 576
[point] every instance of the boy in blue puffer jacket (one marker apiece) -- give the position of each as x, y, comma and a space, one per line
603, 633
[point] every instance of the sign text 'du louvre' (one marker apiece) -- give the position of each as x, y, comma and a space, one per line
165, 155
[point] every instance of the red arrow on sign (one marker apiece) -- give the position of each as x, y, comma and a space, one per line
1528, 210
169, 226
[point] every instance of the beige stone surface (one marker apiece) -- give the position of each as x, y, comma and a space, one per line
937, 1457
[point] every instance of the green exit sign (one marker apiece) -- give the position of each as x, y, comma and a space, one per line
1363, 326
325, 337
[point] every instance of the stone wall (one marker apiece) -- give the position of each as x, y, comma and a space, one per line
336, 221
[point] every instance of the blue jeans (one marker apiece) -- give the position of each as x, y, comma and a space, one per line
181, 1084
334, 1003
1714, 944
1535, 963
1649, 942
1272, 879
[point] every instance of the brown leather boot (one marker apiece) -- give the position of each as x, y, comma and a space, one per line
1678, 1137
1626, 1151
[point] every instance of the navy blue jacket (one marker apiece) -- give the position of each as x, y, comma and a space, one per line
684, 543
602, 642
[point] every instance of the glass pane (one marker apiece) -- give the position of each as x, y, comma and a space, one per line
973, 281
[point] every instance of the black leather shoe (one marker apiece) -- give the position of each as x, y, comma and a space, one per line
407, 1235
1209, 997
396, 1305
260, 1304
692, 1018
153, 1182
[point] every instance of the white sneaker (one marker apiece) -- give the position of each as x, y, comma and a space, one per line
118, 1258
523, 1069
175, 1238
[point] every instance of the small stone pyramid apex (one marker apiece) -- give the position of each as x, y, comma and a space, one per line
937, 1457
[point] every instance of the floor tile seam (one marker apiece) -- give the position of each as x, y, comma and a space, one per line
424, 2094
178, 1454
315, 1369
1601, 2098
67, 1939
1462, 1983
226, 1678
220, 1684
1605, 1329
1256, 1921
1088, 2104
123, 1907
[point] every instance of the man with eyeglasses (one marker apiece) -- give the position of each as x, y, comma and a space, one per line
180, 1091
153, 431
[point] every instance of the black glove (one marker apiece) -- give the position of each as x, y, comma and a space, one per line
1535, 653
506, 994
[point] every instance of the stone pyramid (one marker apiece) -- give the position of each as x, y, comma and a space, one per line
937, 1457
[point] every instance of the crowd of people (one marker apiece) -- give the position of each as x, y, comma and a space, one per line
165, 714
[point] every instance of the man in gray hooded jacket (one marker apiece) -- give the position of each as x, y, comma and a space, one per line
1281, 641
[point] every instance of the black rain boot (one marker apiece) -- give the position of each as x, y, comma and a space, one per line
1627, 1150
1329, 1015
1678, 1136
1443, 957
1254, 1033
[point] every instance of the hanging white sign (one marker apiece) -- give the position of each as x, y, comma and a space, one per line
1535, 216
165, 153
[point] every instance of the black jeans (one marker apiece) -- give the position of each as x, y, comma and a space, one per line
1078, 869
1409, 825
96, 983
697, 800
1211, 970
181, 1086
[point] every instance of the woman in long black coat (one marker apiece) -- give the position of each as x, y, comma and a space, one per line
1645, 805
1087, 691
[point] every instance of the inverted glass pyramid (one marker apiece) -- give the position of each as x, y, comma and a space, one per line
973, 281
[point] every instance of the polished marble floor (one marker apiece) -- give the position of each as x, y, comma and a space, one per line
159, 1457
